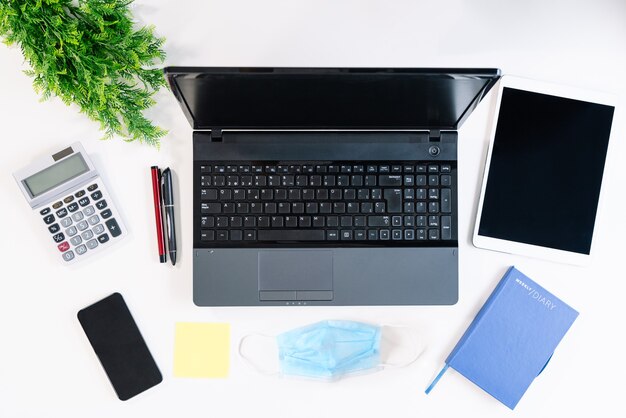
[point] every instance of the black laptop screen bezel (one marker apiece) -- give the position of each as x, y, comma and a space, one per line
489, 76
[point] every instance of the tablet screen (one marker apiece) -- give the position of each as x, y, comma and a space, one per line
546, 170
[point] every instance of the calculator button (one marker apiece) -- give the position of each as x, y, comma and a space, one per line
76, 240
68, 255
96, 195
87, 235
68, 199
54, 228
94, 220
71, 231
101, 204
103, 238
82, 225
72, 207
91, 244
61, 213
66, 222
77, 216
114, 228
89, 210
58, 237
48, 219
84, 201
81, 249
44, 211
106, 213
98, 229
92, 187
64, 246
79, 193
57, 205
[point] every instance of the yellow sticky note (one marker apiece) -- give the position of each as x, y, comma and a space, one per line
201, 349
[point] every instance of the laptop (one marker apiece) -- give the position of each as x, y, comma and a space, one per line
326, 186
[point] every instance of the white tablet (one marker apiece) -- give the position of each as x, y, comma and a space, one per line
544, 169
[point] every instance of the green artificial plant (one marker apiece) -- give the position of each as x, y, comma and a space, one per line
89, 52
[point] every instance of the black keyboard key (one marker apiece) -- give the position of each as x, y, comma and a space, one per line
222, 235
236, 221
446, 227
379, 207
346, 235
332, 221
420, 207
420, 220
446, 200
236, 235
446, 180
433, 234
106, 214
96, 195
103, 238
211, 208
208, 194
332, 235
49, 219
44, 211
372, 234
433, 168
249, 235
378, 221
396, 234
100, 204
433, 180
420, 180
291, 235
277, 221
72, 207
396, 220
446, 168
304, 221
318, 222
249, 221
409, 234
420, 234
383, 234
394, 200
409, 220
345, 221
433, 221
206, 235
61, 213
54, 228
433, 207
207, 222
359, 235
84, 201
339, 207
390, 180
113, 227
291, 221
264, 221
279, 194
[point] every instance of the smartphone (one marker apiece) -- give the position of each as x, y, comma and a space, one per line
121, 349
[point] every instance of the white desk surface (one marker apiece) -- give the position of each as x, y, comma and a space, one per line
47, 368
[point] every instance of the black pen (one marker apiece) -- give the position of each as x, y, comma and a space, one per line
168, 206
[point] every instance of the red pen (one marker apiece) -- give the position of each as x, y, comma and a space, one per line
156, 193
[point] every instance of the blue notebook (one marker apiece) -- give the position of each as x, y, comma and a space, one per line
511, 339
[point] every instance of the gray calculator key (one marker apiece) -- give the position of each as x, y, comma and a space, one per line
89, 210
76, 240
82, 225
68, 255
98, 229
81, 249
66, 222
94, 220
91, 244
77, 216
87, 235
71, 231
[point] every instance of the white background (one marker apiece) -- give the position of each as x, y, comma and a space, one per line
47, 368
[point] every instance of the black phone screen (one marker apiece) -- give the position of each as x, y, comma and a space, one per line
121, 349
546, 170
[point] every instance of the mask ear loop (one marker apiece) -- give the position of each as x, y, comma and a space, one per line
414, 345
249, 362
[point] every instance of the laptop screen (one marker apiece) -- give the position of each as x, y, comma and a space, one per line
266, 98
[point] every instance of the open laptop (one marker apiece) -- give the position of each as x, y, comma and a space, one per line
326, 186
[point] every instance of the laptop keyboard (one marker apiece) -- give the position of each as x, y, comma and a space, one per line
403, 203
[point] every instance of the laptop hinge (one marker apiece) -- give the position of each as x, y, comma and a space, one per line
216, 135
435, 135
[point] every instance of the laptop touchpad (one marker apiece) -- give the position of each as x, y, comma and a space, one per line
295, 275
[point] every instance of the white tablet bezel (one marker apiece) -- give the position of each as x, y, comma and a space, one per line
513, 247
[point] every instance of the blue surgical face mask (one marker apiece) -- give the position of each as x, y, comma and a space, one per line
328, 350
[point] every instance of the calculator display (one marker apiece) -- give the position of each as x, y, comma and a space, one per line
56, 174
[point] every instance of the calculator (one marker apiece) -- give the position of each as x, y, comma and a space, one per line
68, 196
